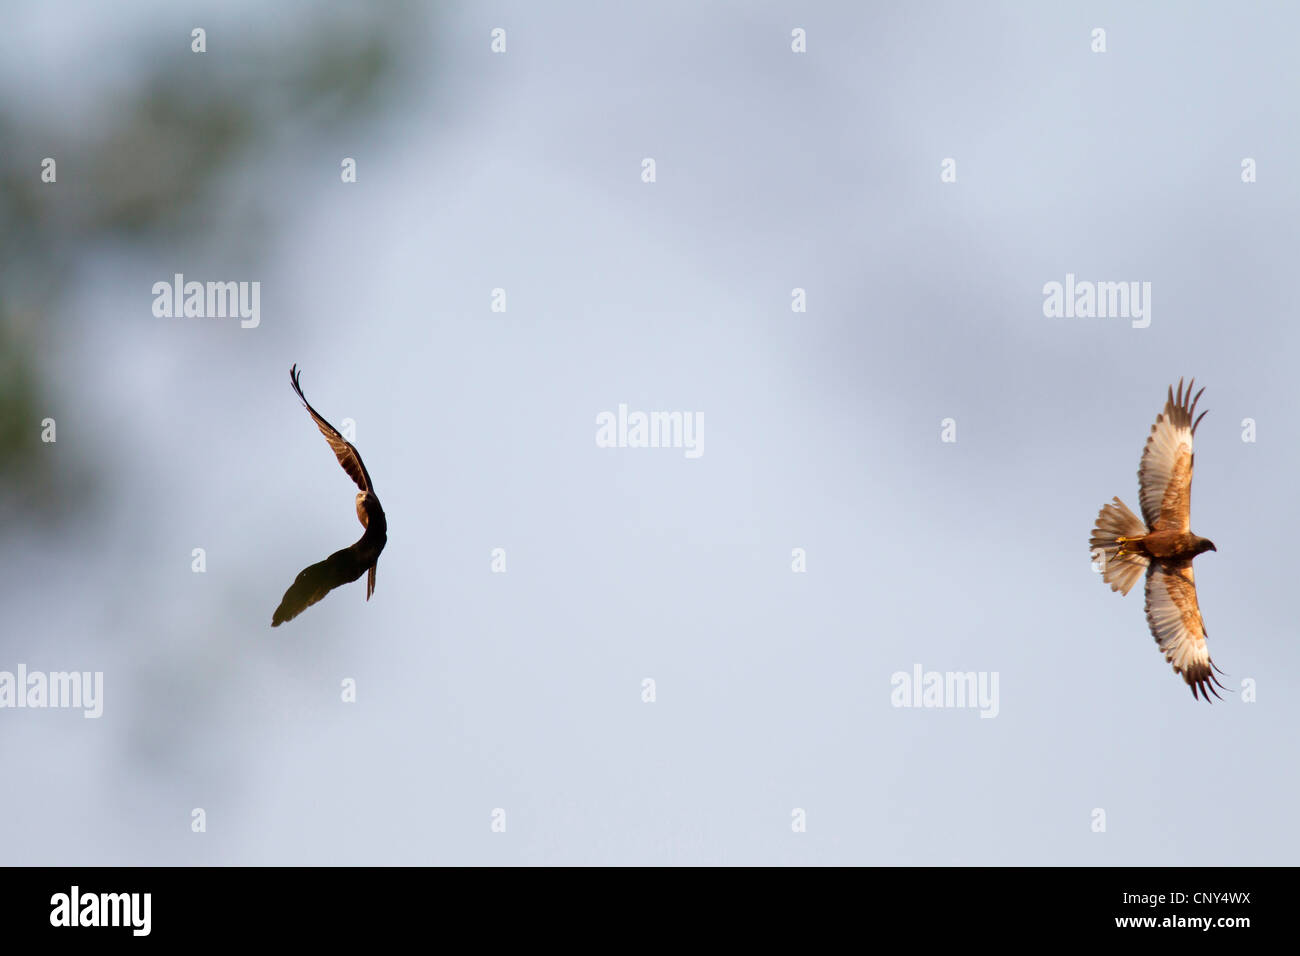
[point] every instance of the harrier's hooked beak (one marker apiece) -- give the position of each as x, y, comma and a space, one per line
1210, 545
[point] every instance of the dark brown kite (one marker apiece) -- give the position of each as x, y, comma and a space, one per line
341, 567
1161, 543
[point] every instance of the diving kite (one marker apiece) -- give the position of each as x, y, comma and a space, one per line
341, 567
1161, 543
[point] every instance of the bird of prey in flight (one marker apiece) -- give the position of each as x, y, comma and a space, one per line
1161, 543
344, 566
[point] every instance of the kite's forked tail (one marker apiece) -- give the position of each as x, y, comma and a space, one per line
1120, 568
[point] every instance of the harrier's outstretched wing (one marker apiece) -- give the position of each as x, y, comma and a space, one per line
313, 583
343, 449
1175, 620
1165, 475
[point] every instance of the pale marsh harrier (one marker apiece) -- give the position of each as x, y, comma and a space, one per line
1161, 543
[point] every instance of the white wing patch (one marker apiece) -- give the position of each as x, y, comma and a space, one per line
1175, 620
1171, 437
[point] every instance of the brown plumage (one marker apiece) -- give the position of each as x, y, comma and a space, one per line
345, 566
1162, 544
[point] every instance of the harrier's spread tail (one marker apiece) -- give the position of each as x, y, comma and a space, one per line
1120, 568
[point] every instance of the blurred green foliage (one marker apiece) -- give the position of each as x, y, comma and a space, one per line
157, 152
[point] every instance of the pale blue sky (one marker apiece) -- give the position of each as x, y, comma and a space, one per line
522, 691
